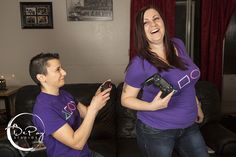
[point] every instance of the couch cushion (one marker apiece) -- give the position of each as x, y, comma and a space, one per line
25, 98
209, 97
128, 147
126, 118
105, 147
6, 149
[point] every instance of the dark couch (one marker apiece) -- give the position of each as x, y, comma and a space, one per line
113, 134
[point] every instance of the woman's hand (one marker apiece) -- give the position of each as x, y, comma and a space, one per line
160, 103
200, 114
129, 99
99, 89
99, 100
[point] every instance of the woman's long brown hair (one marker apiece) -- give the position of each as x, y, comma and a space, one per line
143, 49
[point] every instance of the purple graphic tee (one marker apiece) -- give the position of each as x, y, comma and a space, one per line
55, 111
182, 109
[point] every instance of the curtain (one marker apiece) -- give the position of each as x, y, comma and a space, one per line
215, 17
167, 7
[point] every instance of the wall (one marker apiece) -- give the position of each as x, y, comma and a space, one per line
228, 94
91, 51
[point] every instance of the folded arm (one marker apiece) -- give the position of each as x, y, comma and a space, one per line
77, 139
129, 99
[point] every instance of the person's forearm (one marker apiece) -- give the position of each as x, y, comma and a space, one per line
131, 101
198, 102
82, 109
82, 134
199, 111
135, 104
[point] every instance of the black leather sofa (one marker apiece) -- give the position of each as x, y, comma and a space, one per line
113, 134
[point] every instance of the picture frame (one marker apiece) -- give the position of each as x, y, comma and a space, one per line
89, 10
36, 15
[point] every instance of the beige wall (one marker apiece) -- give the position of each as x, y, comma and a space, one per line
91, 51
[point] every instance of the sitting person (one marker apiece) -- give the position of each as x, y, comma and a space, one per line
64, 133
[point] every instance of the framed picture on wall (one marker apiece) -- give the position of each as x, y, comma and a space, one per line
36, 14
89, 10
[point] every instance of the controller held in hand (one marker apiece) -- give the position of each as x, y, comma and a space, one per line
161, 83
106, 85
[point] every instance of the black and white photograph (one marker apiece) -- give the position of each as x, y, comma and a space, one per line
42, 11
89, 10
42, 19
36, 15
31, 20
30, 11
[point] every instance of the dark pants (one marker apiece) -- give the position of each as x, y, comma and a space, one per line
160, 143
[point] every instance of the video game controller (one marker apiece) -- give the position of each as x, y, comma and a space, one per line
106, 85
161, 83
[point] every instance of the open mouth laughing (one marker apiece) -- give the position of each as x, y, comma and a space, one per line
155, 31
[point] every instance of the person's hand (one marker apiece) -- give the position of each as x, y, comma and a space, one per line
160, 103
99, 100
200, 114
99, 89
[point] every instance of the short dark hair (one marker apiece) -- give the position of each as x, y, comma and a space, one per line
38, 65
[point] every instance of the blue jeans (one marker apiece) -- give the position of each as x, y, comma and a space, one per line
160, 143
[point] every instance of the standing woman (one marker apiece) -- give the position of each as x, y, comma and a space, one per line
170, 122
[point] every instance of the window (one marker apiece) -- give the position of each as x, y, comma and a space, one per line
187, 22
230, 48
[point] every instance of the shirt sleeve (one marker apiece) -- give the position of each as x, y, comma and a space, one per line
179, 44
135, 74
49, 120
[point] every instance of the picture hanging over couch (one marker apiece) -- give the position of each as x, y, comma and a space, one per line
36, 14
89, 10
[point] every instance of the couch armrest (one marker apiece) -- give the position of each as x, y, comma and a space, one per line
6, 149
220, 139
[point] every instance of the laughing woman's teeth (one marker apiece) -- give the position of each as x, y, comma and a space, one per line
154, 31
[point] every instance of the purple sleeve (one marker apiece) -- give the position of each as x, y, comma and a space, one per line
179, 44
51, 119
135, 74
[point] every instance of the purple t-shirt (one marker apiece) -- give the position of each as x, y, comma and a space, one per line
55, 111
182, 109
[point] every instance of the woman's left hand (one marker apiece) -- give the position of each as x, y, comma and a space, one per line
200, 114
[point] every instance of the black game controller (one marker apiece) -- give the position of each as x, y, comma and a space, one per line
106, 85
161, 83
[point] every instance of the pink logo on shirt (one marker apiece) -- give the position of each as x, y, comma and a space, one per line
187, 78
69, 109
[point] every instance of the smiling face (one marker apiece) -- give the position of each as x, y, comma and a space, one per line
55, 77
154, 27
